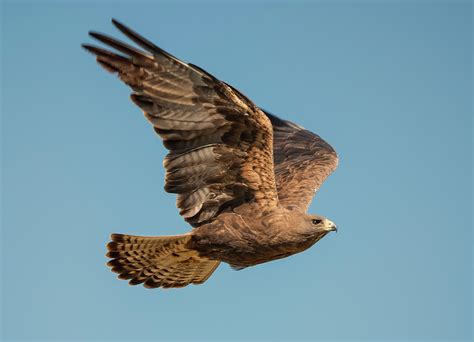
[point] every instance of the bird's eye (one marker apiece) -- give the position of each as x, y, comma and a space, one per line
317, 221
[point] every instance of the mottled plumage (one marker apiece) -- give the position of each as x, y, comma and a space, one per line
244, 178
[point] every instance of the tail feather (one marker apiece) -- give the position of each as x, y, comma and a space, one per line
161, 261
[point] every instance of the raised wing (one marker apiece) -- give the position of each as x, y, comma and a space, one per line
302, 162
220, 143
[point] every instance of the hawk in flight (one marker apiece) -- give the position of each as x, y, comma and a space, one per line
243, 177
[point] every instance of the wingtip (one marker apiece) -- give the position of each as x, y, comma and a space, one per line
100, 36
93, 50
86, 47
116, 23
94, 34
90, 48
123, 28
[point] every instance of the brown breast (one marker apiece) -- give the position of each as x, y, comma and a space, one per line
245, 237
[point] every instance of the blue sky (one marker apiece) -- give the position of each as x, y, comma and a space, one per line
388, 84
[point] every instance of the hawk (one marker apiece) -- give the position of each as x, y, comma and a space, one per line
243, 177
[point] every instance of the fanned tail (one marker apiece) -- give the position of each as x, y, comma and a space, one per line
161, 261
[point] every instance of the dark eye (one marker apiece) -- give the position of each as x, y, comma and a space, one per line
317, 221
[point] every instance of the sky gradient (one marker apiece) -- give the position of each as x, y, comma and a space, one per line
388, 85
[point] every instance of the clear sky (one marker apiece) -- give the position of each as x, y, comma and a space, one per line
388, 84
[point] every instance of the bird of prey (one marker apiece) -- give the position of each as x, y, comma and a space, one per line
243, 177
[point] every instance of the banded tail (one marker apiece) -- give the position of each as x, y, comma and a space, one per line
161, 261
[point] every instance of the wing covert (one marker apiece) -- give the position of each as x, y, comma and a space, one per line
303, 160
220, 144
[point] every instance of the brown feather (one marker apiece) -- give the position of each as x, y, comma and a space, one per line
202, 121
163, 261
303, 160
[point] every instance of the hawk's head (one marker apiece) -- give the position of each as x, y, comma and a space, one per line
312, 228
319, 224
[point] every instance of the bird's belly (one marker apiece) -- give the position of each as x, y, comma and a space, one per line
248, 252
244, 240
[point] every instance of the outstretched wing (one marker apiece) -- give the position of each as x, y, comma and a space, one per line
220, 143
302, 162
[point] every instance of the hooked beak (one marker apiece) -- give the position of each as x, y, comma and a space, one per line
331, 226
